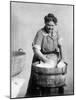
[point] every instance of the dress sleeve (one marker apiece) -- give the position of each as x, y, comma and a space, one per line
37, 40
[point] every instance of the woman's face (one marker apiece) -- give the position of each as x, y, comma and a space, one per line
50, 26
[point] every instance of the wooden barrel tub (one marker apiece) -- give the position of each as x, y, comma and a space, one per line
49, 77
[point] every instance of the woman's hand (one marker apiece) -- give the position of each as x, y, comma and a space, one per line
40, 55
45, 60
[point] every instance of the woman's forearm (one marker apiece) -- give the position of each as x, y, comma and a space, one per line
40, 55
60, 53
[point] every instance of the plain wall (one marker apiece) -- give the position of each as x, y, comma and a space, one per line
28, 18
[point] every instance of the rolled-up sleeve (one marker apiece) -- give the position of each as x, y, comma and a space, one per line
60, 41
37, 42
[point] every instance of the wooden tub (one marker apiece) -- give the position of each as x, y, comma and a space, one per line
49, 77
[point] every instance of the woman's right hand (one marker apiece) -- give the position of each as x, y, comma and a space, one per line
45, 60
41, 56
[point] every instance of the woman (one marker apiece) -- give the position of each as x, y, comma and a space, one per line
47, 40
46, 46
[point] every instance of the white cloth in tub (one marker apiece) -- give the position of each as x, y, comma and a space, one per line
61, 64
50, 64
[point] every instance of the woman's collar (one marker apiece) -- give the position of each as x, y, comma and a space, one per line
48, 34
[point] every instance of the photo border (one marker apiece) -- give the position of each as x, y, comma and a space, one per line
73, 45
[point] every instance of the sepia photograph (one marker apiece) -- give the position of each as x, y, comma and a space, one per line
41, 49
